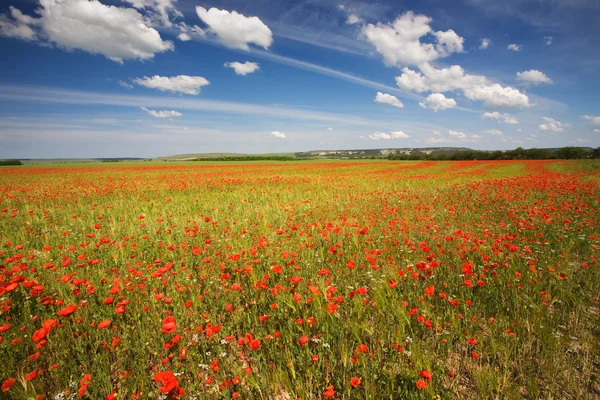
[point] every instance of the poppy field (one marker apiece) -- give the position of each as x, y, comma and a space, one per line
311, 280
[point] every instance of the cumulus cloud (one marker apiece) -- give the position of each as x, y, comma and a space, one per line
162, 114
547, 40
506, 118
452, 137
400, 42
243, 68
159, 9
388, 136
117, 33
533, 76
553, 125
437, 102
176, 84
278, 134
597, 130
496, 95
353, 19
456, 134
485, 43
184, 37
514, 47
493, 132
235, 30
595, 120
385, 98
330, 129
19, 26
474, 87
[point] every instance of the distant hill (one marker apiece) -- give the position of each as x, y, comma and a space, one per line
341, 154
195, 156
378, 153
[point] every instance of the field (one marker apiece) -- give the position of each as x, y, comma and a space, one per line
353, 280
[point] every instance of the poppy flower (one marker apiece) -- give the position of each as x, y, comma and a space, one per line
7, 384
303, 340
103, 324
329, 392
425, 374
66, 311
254, 344
32, 375
355, 382
169, 325
421, 384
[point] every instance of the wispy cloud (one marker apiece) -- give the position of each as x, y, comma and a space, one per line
54, 95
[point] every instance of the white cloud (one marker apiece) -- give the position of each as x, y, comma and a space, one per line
162, 114
184, 37
553, 125
506, 118
115, 32
161, 8
452, 137
400, 42
278, 134
533, 76
353, 19
514, 47
456, 134
385, 98
547, 40
243, 68
330, 129
597, 130
437, 102
436, 140
495, 95
493, 132
485, 43
437, 133
187, 32
176, 84
595, 120
18, 27
125, 85
235, 30
388, 136
474, 87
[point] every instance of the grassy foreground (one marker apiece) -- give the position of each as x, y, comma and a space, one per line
353, 280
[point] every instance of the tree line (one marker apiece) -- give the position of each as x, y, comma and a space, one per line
10, 162
564, 153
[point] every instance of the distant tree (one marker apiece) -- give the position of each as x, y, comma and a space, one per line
11, 162
570, 153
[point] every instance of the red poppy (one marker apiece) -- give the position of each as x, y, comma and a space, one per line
254, 344
421, 384
303, 340
7, 384
104, 324
169, 325
66, 311
425, 374
355, 382
329, 392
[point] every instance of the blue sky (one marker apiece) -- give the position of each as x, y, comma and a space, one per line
145, 78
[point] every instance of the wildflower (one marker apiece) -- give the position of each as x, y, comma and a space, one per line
421, 384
